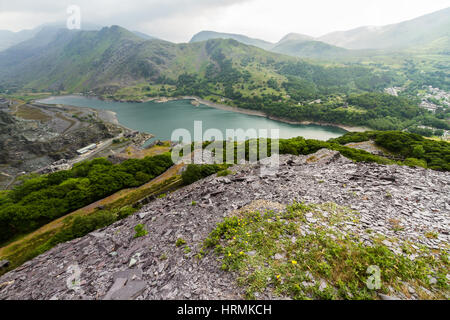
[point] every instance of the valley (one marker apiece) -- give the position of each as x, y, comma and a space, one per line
229, 72
361, 179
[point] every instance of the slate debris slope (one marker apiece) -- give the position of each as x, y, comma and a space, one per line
115, 265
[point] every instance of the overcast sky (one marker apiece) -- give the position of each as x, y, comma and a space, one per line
179, 20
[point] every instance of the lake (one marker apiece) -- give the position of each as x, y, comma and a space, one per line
161, 119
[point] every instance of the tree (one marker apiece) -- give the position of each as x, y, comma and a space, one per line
418, 151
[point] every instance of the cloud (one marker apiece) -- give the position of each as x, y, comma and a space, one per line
169, 19
178, 20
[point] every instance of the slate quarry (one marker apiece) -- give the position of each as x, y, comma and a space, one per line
111, 264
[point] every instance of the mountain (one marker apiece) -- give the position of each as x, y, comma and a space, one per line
76, 60
310, 49
303, 46
297, 37
415, 33
116, 64
293, 44
61, 58
428, 33
144, 35
208, 35
10, 38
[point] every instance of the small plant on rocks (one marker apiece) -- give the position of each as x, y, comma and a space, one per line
224, 173
272, 251
140, 231
180, 242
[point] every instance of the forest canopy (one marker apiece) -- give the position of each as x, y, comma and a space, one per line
42, 199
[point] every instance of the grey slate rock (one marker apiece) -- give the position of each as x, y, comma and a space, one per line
103, 260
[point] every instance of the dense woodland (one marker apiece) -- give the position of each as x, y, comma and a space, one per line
44, 198
351, 95
411, 147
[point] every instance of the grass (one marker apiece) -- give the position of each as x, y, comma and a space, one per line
26, 97
431, 235
30, 113
285, 254
224, 173
136, 153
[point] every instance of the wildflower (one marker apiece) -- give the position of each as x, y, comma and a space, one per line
294, 262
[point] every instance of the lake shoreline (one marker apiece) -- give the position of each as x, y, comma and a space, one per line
262, 114
110, 115
105, 115
243, 111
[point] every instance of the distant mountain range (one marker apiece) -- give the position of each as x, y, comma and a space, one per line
10, 38
112, 58
65, 58
293, 44
54, 58
62, 59
428, 33
414, 33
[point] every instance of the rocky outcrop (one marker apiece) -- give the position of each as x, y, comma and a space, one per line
112, 264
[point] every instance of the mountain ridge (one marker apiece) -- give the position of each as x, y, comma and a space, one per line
411, 34
9, 39
208, 35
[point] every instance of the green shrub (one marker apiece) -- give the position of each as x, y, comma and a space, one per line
412, 162
196, 172
125, 212
140, 231
417, 150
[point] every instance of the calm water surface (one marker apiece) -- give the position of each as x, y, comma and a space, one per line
161, 119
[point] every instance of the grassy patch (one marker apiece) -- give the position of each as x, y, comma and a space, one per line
30, 113
224, 173
301, 253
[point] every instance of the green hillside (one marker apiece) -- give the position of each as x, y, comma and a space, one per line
310, 49
116, 58
116, 64
209, 35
